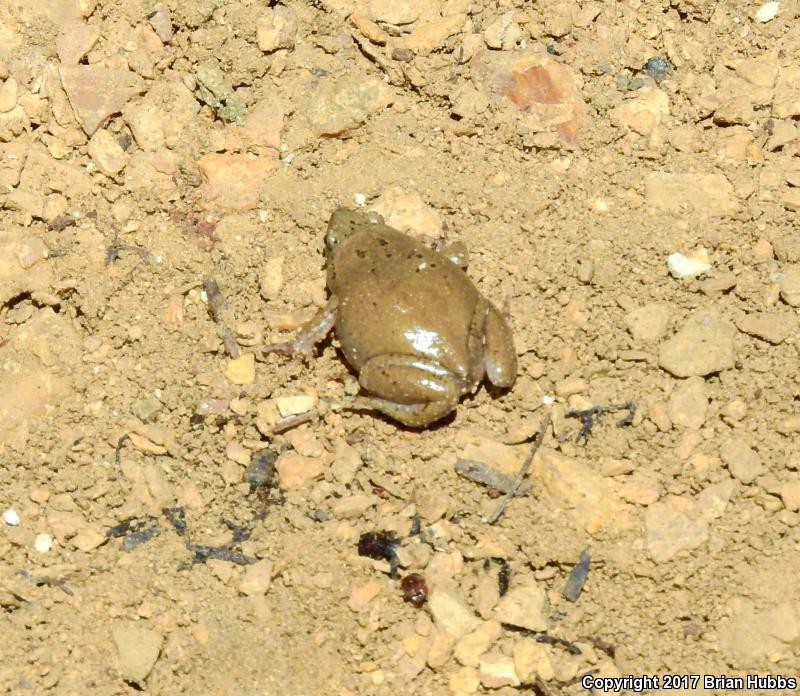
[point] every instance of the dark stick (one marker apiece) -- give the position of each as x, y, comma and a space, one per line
522, 473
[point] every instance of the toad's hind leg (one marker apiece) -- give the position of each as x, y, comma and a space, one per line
409, 389
500, 356
412, 415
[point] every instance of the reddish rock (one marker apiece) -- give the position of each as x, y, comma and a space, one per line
74, 41
234, 182
96, 93
547, 93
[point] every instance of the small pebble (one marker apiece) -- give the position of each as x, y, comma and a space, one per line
464, 681
88, 540
658, 68
648, 323
8, 95
688, 404
531, 658
789, 425
276, 29
294, 405
742, 461
295, 471
256, 578
497, 670
361, 596
735, 410
242, 370
450, 611
570, 386
468, 650
790, 286
577, 578
773, 327
271, 280
138, 649
670, 532
790, 494
703, 345
524, 606
346, 462
43, 543
11, 518
768, 11
161, 21
236, 452
688, 265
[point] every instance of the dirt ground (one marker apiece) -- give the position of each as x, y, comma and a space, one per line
179, 517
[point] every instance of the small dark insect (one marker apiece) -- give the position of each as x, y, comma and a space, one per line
382, 546
503, 577
415, 589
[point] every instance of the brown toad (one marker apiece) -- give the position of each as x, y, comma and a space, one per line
409, 321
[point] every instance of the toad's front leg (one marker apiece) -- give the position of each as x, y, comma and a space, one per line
309, 335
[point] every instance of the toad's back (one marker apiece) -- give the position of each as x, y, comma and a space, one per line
398, 296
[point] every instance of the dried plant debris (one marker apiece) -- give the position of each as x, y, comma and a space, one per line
135, 531
380, 546
589, 416
577, 578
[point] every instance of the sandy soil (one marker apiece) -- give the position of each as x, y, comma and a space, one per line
146, 149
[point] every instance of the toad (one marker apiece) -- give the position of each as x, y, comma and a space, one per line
409, 321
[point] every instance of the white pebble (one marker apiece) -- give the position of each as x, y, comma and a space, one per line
768, 11
360, 199
686, 265
43, 543
294, 405
11, 518
548, 400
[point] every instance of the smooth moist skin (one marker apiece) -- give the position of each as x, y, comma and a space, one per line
409, 321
